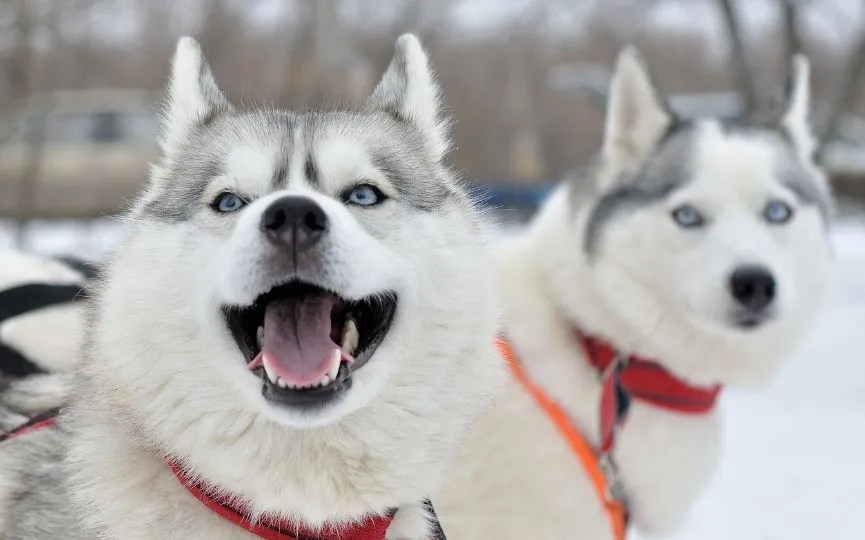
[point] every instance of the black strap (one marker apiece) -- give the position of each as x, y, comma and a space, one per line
15, 364
24, 299
88, 270
32, 296
437, 532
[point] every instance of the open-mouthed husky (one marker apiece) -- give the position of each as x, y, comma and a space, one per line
693, 255
290, 341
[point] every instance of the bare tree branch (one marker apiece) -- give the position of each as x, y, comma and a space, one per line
792, 29
847, 94
21, 76
744, 73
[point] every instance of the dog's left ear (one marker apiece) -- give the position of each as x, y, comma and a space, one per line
193, 96
796, 109
637, 116
409, 92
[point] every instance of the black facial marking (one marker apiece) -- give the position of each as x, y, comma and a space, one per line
310, 170
413, 182
179, 197
666, 171
279, 176
795, 177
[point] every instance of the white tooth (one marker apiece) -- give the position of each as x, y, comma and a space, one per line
259, 336
335, 360
350, 336
281, 382
270, 373
326, 380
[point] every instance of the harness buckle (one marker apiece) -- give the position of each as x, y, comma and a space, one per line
615, 491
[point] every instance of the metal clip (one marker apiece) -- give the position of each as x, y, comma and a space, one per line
618, 363
615, 488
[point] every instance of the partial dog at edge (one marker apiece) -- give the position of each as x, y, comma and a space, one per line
42, 318
700, 244
301, 313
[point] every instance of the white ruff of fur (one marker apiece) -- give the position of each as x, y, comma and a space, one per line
649, 288
165, 377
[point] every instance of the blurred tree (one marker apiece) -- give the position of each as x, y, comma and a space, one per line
741, 61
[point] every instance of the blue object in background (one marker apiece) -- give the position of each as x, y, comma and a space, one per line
516, 202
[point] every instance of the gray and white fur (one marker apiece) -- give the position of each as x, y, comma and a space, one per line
701, 244
162, 375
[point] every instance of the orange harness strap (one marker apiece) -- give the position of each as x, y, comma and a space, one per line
583, 450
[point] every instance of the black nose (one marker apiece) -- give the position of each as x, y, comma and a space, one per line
753, 287
294, 221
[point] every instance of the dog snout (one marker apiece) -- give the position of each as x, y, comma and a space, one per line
294, 222
753, 287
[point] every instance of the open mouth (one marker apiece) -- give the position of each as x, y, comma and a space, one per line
306, 342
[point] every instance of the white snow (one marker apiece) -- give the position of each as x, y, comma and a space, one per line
793, 464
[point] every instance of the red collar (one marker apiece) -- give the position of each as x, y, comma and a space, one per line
633, 377
372, 528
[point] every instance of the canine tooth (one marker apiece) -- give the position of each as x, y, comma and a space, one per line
335, 360
259, 336
326, 380
270, 373
350, 336
281, 382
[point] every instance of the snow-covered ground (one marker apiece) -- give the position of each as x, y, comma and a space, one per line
794, 463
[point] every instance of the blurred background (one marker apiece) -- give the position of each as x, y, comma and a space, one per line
526, 82
525, 79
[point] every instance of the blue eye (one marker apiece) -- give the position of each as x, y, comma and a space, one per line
688, 217
228, 202
365, 195
777, 212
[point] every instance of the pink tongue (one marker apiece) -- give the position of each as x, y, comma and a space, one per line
297, 344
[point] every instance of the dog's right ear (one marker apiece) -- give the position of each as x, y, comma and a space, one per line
637, 117
193, 96
797, 108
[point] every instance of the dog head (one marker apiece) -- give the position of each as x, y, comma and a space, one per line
711, 226
299, 266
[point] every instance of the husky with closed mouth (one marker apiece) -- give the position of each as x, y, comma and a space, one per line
699, 247
298, 327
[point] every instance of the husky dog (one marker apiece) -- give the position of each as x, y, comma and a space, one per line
300, 317
41, 331
701, 244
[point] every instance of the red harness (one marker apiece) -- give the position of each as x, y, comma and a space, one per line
372, 528
632, 377
623, 379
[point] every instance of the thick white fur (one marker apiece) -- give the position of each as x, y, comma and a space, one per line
653, 290
164, 375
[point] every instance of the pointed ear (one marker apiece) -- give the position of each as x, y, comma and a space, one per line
408, 91
636, 114
797, 106
193, 96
